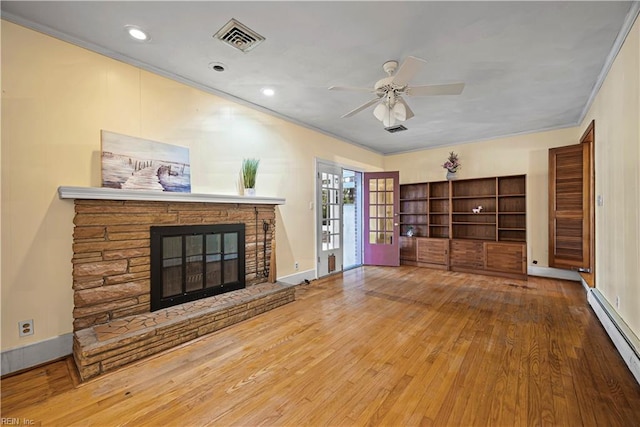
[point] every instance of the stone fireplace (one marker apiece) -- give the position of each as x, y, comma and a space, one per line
113, 268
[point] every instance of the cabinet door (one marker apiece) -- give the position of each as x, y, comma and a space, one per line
506, 257
433, 251
407, 248
467, 253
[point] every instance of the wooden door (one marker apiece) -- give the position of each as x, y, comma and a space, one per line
381, 227
569, 207
506, 257
433, 251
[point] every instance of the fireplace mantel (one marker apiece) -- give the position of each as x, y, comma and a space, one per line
97, 193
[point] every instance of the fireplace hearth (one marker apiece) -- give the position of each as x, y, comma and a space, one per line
195, 261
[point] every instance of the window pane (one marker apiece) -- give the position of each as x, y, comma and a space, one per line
380, 185
381, 198
373, 184
389, 225
389, 211
372, 238
373, 224
389, 183
390, 197
373, 197
381, 211
373, 209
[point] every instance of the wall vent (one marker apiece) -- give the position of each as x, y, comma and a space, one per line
239, 36
396, 128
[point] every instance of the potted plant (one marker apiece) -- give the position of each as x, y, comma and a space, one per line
452, 165
249, 172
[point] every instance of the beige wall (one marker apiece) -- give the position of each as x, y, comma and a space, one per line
57, 97
616, 111
525, 154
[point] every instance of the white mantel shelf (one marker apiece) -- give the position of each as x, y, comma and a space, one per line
95, 193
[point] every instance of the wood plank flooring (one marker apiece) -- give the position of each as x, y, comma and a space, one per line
403, 346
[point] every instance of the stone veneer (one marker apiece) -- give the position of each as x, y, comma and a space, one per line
111, 250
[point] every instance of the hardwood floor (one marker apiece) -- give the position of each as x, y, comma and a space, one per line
376, 346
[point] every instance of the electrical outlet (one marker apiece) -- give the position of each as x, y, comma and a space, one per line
25, 328
295, 266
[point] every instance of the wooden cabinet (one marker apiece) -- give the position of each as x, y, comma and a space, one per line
434, 252
408, 249
483, 222
466, 254
506, 258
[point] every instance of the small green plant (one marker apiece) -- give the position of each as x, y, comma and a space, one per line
249, 172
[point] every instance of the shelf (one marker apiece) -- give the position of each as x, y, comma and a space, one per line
492, 224
512, 213
489, 196
471, 213
413, 223
511, 195
511, 229
420, 199
438, 198
439, 225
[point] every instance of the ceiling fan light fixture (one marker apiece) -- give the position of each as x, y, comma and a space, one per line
400, 112
380, 112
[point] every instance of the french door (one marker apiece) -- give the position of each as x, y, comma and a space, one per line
329, 223
381, 228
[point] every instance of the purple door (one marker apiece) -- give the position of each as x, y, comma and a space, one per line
381, 230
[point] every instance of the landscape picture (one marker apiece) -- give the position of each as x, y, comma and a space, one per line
138, 164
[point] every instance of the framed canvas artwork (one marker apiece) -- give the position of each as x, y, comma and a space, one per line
139, 164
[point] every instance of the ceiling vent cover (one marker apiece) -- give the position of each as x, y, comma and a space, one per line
239, 36
396, 128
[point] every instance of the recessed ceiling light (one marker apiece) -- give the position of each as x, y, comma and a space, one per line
217, 66
137, 33
267, 91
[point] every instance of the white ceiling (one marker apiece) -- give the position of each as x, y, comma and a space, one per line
528, 66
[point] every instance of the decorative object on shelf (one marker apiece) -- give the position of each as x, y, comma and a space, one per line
249, 172
452, 165
476, 210
132, 163
410, 231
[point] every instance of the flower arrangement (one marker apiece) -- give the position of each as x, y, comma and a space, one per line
453, 163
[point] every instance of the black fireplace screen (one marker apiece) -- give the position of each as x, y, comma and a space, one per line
195, 261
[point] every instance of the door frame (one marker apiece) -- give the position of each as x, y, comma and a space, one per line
316, 210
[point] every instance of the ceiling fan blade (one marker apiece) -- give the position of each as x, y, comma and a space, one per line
407, 70
409, 112
352, 88
362, 107
450, 89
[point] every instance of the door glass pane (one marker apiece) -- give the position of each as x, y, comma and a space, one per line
373, 185
373, 210
389, 183
372, 238
373, 224
380, 185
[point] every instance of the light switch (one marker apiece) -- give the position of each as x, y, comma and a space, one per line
600, 200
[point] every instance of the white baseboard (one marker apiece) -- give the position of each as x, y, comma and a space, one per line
36, 354
297, 278
553, 273
625, 341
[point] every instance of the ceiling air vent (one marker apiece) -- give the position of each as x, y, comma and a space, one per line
239, 36
396, 128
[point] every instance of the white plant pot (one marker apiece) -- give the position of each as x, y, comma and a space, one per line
251, 192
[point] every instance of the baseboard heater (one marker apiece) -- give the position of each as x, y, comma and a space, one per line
625, 341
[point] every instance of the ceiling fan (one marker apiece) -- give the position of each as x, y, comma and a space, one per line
389, 90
